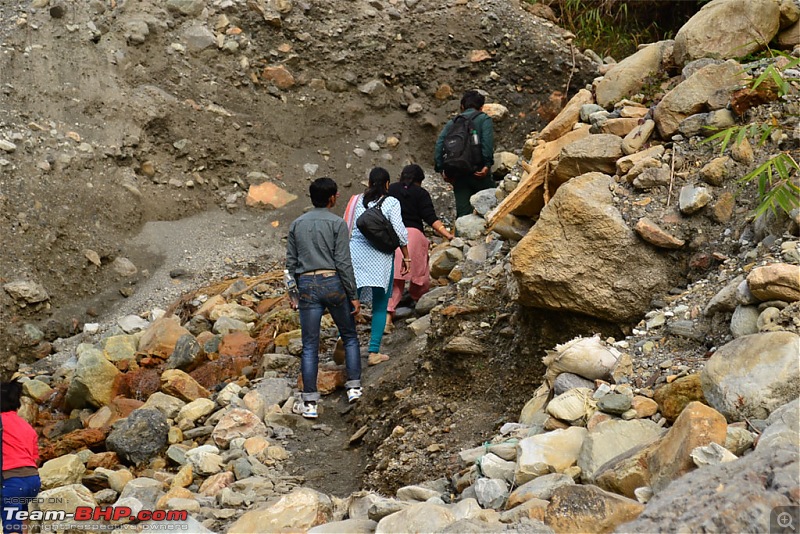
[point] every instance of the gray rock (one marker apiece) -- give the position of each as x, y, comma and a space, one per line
470, 226
566, 381
373, 88
725, 300
26, 291
587, 110
139, 437
540, 488
753, 375
145, 490
783, 427
431, 299
168, 405
692, 199
744, 321
736, 496
226, 325
613, 438
199, 38
614, 403
192, 8
484, 201
416, 494
493, 466
707, 124
131, 324
124, 267
185, 354
491, 492
274, 390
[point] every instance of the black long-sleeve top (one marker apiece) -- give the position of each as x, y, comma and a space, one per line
415, 203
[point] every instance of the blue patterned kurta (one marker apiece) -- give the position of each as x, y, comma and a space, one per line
372, 267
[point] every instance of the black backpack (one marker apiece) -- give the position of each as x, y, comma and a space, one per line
378, 230
462, 148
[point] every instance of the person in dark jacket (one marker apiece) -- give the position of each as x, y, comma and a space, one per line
416, 207
466, 186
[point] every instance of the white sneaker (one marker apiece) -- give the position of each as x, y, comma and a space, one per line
353, 394
310, 410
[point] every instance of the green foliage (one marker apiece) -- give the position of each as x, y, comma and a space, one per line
776, 179
617, 27
778, 76
739, 133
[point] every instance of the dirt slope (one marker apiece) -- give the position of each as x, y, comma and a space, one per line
124, 112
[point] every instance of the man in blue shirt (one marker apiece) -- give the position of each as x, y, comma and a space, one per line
464, 186
318, 256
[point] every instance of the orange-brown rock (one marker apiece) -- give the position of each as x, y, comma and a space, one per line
106, 460
626, 472
85, 438
643, 406
178, 384
268, 195
117, 409
280, 76
238, 344
224, 368
443, 92
697, 425
673, 398
329, 379
587, 508
140, 384
160, 338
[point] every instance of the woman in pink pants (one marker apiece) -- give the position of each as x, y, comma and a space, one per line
417, 207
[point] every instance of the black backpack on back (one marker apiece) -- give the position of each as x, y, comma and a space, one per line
378, 230
462, 148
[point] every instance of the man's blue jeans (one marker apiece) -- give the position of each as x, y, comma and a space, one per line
319, 292
16, 493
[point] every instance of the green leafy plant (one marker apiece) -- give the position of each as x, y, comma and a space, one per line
776, 179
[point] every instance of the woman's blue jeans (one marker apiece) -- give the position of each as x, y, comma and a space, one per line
16, 493
319, 292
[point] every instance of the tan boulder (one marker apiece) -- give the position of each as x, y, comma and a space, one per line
626, 163
568, 116
178, 384
727, 29
707, 89
636, 138
95, 381
612, 438
625, 473
595, 153
298, 511
61, 471
698, 425
619, 127
558, 267
790, 37
587, 508
549, 452
629, 76
777, 281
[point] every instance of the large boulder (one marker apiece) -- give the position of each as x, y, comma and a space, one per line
612, 438
139, 437
753, 375
707, 89
727, 29
778, 281
595, 153
95, 380
629, 75
582, 256
587, 508
735, 496
549, 452
298, 511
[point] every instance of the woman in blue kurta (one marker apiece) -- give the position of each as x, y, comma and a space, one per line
374, 269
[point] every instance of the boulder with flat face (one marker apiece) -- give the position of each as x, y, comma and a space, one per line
629, 76
583, 257
727, 29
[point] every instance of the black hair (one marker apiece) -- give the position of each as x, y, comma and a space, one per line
472, 99
321, 190
412, 174
378, 179
10, 393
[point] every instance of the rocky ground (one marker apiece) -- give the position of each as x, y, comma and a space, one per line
654, 251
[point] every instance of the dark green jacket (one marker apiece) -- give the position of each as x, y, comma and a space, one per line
483, 123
